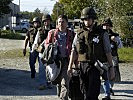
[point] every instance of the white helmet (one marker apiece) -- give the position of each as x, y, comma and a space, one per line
53, 71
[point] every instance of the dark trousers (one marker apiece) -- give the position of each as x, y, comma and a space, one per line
90, 80
63, 86
32, 61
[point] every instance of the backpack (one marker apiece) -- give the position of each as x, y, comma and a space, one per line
50, 52
74, 89
50, 58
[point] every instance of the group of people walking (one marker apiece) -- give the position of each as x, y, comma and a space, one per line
92, 50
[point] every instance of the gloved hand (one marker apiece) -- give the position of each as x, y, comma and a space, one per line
69, 72
111, 73
24, 52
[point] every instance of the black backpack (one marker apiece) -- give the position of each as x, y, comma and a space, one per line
74, 86
50, 52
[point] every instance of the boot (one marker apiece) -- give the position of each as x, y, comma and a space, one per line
106, 98
112, 92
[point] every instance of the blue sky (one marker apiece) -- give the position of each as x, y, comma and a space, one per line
31, 5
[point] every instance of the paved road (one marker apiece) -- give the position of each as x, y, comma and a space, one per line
7, 44
16, 84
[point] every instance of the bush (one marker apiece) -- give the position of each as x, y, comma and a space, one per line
8, 34
126, 54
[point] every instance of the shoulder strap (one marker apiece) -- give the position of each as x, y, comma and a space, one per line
52, 35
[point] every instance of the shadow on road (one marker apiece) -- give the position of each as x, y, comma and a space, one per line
125, 82
125, 91
18, 83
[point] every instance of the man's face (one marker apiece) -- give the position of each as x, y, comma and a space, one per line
62, 23
46, 22
36, 24
88, 22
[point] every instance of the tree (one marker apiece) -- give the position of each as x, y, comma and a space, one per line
4, 7
73, 8
45, 11
31, 15
117, 10
57, 10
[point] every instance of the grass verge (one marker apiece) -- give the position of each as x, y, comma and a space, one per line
126, 54
16, 53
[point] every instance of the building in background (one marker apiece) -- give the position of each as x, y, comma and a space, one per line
12, 18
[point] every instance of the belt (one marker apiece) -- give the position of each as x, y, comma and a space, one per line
89, 62
64, 58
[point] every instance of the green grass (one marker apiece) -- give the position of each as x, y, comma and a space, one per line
126, 54
16, 53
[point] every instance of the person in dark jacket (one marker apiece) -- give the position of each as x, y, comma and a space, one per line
115, 44
43, 33
64, 38
30, 37
92, 45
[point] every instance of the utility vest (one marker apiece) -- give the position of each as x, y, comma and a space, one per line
90, 45
32, 35
43, 35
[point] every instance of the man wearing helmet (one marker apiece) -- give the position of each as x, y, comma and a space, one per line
30, 37
92, 45
115, 44
43, 32
63, 37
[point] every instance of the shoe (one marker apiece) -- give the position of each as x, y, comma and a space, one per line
32, 75
112, 92
49, 85
42, 87
106, 98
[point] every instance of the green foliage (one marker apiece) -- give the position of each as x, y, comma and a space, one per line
4, 7
111, 8
57, 10
126, 27
73, 8
10, 35
115, 9
36, 13
126, 54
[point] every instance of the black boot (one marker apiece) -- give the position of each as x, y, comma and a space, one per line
32, 75
106, 98
112, 92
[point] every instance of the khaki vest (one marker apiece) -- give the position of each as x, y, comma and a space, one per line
32, 34
90, 46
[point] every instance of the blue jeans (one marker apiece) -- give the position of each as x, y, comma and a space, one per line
32, 61
111, 84
106, 83
42, 73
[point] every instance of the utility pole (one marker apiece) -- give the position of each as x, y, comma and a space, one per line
19, 12
19, 5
